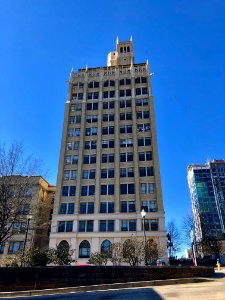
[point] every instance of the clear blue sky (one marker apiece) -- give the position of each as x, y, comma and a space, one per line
184, 42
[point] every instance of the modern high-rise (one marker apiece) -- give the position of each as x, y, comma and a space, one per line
207, 189
108, 167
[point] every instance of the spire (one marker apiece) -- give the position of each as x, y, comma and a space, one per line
131, 38
86, 68
117, 40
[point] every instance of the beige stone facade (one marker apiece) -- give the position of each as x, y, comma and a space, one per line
108, 167
35, 218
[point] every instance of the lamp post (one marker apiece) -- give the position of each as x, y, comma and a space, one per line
143, 215
192, 236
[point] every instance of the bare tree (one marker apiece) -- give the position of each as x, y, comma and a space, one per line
187, 227
15, 186
116, 256
174, 237
153, 251
133, 251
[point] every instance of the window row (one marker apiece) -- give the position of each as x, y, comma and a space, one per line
107, 225
108, 207
110, 94
109, 158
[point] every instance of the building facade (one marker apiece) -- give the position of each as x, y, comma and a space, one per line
108, 167
207, 190
33, 197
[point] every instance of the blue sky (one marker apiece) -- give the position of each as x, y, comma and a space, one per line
183, 41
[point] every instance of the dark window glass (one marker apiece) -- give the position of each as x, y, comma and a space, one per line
110, 207
103, 207
111, 189
84, 191
65, 191
63, 208
72, 191
123, 206
70, 208
102, 227
82, 208
90, 208
89, 226
84, 249
69, 226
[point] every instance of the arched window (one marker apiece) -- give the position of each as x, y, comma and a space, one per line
128, 49
121, 49
84, 249
105, 246
64, 245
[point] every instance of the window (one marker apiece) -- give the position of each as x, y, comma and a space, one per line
92, 119
90, 145
2, 246
77, 96
78, 84
143, 127
126, 143
19, 227
105, 246
144, 141
109, 83
141, 102
84, 249
141, 91
14, 247
72, 145
71, 159
92, 96
125, 93
125, 103
147, 188
107, 189
88, 174
106, 225
141, 80
86, 226
106, 207
125, 157
93, 84
127, 172
108, 117
128, 225
126, 81
66, 208
65, 226
86, 207
107, 143
126, 129
76, 107
107, 158
73, 132
149, 205
146, 171
109, 94
108, 130
126, 116
68, 191
127, 206
70, 175
92, 106
127, 188
108, 104
107, 173
91, 131
145, 156
75, 119
88, 190
142, 114
151, 225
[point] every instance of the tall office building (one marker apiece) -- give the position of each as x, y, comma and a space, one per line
108, 168
207, 189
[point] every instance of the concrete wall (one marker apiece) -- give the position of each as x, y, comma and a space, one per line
31, 278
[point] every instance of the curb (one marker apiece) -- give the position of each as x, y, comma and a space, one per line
102, 287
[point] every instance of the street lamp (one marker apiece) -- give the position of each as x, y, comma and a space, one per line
193, 248
143, 215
